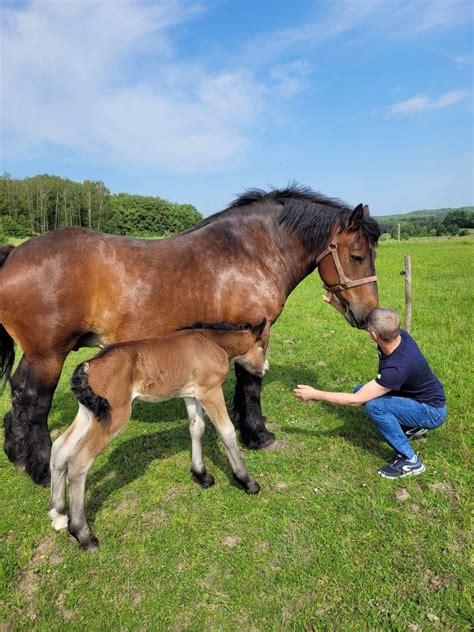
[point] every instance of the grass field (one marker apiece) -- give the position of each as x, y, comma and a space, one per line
326, 545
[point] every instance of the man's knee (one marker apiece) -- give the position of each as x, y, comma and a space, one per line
357, 388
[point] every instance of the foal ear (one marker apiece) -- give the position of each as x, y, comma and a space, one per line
258, 329
360, 212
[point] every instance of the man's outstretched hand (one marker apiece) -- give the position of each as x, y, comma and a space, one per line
305, 392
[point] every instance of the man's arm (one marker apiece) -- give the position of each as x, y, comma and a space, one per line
369, 391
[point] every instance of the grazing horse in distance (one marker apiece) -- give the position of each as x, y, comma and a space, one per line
192, 364
73, 287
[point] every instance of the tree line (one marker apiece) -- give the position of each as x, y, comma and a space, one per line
453, 222
32, 206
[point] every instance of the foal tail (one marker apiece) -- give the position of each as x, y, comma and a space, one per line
98, 405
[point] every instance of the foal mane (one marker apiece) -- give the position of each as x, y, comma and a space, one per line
308, 214
219, 326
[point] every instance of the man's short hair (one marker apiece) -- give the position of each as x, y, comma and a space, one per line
385, 322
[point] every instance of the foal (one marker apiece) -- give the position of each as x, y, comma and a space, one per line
192, 364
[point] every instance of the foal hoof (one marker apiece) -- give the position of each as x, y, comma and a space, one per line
59, 521
250, 485
204, 479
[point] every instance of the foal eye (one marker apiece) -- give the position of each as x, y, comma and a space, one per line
356, 258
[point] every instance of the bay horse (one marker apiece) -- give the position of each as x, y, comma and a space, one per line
192, 364
73, 287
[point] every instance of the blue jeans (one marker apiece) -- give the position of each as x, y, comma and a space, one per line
390, 413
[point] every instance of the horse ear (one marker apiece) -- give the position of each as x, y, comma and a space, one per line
258, 329
360, 212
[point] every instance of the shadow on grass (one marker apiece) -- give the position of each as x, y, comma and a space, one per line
356, 428
132, 458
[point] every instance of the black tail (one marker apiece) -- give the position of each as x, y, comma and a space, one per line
99, 406
7, 347
7, 356
5, 250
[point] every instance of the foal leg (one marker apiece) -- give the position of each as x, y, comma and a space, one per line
247, 410
61, 452
27, 439
214, 404
196, 429
97, 436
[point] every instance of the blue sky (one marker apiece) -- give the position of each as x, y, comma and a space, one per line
366, 100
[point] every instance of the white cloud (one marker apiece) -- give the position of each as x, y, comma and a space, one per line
66, 82
423, 103
289, 78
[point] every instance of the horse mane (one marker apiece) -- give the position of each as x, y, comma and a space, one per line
308, 214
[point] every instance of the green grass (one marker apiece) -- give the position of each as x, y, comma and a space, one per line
326, 545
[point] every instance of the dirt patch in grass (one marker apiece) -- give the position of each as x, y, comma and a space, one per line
41, 562
231, 541
262, 547
444, 486
277, 445
435, 582
127, 504
402, 494
170, 493
65, 613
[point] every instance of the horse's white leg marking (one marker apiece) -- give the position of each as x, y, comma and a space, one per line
61, 452
215, 407
196, 430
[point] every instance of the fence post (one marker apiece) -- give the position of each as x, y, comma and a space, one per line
408, 293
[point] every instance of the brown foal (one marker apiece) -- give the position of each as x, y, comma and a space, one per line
192, 364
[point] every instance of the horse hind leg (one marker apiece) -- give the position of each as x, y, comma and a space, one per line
61, 452
196, 430
214, 404
27, 439
97, 436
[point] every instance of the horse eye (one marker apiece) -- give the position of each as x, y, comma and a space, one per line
356, 258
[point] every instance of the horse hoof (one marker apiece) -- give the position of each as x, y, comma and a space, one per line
262, 440
205, 479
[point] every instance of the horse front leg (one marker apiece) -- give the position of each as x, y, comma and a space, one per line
247, 410
27, 440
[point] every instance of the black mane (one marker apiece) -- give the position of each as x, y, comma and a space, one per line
305, 212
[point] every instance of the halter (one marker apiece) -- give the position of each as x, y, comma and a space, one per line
344, 282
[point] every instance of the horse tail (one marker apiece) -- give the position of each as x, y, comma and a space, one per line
7, 346
5, 250
98, 405
7, 357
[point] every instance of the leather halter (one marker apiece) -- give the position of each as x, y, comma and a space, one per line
344, 282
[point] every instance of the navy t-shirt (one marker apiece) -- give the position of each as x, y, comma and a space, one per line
407, 373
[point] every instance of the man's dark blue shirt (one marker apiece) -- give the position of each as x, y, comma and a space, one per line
406, 373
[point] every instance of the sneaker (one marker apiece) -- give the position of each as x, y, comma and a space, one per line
414, 433
402, 467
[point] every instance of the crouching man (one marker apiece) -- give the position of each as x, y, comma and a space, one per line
405, 400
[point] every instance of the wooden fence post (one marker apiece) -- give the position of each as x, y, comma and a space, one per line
408, 293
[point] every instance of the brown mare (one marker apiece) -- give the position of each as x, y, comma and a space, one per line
188, 364
73, 287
